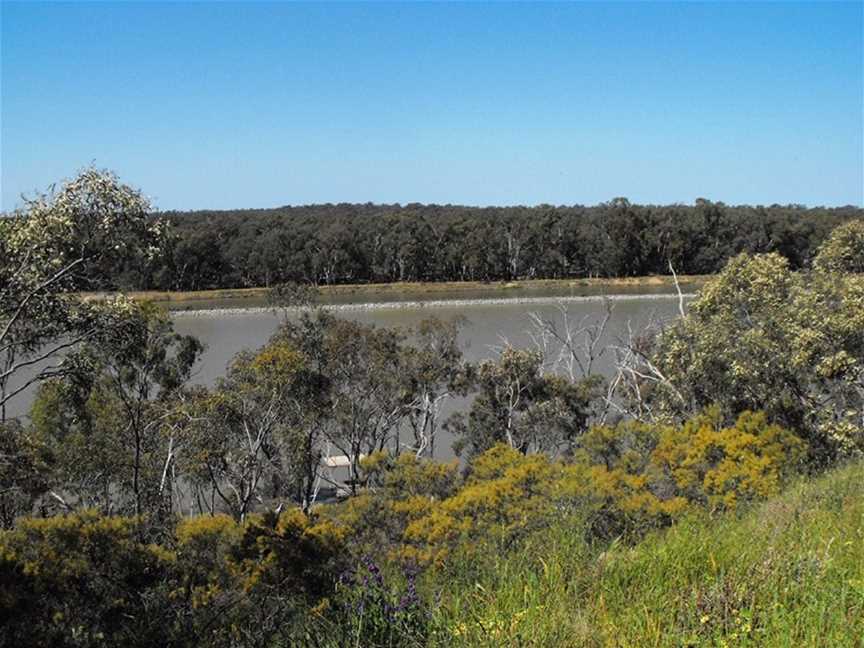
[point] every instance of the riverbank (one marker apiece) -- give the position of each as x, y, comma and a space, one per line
420, 291
227, 307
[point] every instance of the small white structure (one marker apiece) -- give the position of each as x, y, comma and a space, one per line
339, 461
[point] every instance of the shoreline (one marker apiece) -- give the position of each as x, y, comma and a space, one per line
436, 303
403, 292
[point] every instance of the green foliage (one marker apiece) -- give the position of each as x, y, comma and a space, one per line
366, 243
843, 250
253, 435
88, 580
66, 241
357, 368
616, 486
516, 598
520, 405
370, 609
506, 549
433, 370
80, 580
405, 476
24, 472
321, 384
759, 337
266, 580
105, 423
789, 571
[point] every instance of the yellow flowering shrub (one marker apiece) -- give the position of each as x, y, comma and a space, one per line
622, 481
291, 552
401, 489
81, 575
720, 466
506, 494
204, 544
635, 476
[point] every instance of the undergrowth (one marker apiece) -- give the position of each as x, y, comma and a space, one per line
788, 572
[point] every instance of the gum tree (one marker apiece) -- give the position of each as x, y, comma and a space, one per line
434, 371
762, 337
362, 368
108, 423
55, 246
843, 250
251, 437
519, 405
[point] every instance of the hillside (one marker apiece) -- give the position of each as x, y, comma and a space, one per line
788, 572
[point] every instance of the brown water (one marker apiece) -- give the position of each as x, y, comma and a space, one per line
226, 327
490, 324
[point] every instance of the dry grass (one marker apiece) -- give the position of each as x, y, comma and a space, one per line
409, 289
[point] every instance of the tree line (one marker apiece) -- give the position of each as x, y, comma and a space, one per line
367, 243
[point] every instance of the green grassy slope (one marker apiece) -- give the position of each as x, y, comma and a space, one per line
788, 572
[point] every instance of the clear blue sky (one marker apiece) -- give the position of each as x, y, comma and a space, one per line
251, 105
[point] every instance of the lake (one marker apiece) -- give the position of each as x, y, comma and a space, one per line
490, 322
226, 327
225, 330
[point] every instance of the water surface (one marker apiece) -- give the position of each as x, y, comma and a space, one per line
489, 324
491, 320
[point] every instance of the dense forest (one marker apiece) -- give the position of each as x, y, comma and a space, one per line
706, 493
345, 243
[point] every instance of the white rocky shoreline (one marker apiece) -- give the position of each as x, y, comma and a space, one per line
436, 303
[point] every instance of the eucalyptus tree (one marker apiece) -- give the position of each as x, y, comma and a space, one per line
24, 472
762, 337
321, 385
434, 371
58, 244
107, 422
518, 404
243, 441
361, 368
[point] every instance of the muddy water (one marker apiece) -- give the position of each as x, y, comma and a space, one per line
489, 323
226, 330
227, 327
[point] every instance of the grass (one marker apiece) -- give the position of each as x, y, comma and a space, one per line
409, 289
788, 572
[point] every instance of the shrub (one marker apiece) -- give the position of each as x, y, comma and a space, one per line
82, 580
720, 466
637, 476
760, 337
370, 609
843, 250
505, 495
